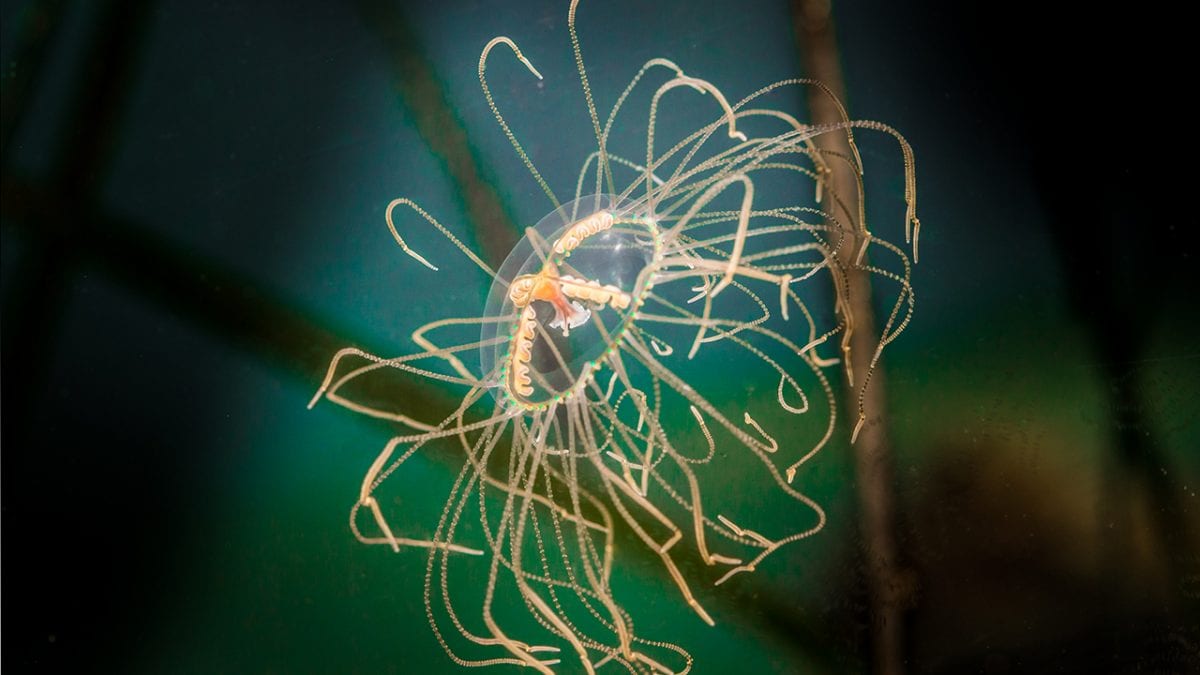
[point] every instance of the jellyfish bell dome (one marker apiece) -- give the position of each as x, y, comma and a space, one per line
566, 295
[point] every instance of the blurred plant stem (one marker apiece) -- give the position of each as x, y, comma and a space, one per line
874, 471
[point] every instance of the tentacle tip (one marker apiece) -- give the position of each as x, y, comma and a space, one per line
916, 237
421, 259
738, 135
857, 428
529, 65
791, 475
542, 648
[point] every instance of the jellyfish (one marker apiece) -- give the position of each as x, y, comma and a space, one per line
647, 351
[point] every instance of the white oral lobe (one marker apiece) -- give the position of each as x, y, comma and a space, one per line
575, 319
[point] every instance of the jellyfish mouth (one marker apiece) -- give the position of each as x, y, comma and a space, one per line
568, 315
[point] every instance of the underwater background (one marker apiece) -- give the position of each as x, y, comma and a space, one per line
192, 223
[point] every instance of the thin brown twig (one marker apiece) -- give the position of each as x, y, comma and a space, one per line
874, 472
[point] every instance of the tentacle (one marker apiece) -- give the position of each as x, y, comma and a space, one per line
487, 93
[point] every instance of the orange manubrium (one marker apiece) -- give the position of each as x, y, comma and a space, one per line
547, 288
